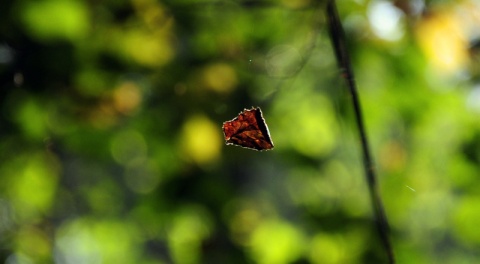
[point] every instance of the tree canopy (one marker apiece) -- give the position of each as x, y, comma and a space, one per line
112, 148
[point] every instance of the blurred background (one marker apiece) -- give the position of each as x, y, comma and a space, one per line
112, 151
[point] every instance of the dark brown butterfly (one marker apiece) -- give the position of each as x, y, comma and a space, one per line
248, 130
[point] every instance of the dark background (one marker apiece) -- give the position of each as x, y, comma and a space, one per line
112, 151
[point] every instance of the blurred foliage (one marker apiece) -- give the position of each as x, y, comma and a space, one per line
112, 149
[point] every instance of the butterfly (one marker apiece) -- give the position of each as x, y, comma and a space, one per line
248, 130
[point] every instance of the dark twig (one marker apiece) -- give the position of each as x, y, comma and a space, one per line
338, 40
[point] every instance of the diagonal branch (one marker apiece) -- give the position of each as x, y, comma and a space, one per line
338, 41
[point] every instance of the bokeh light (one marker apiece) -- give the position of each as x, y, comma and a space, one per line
112, 149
